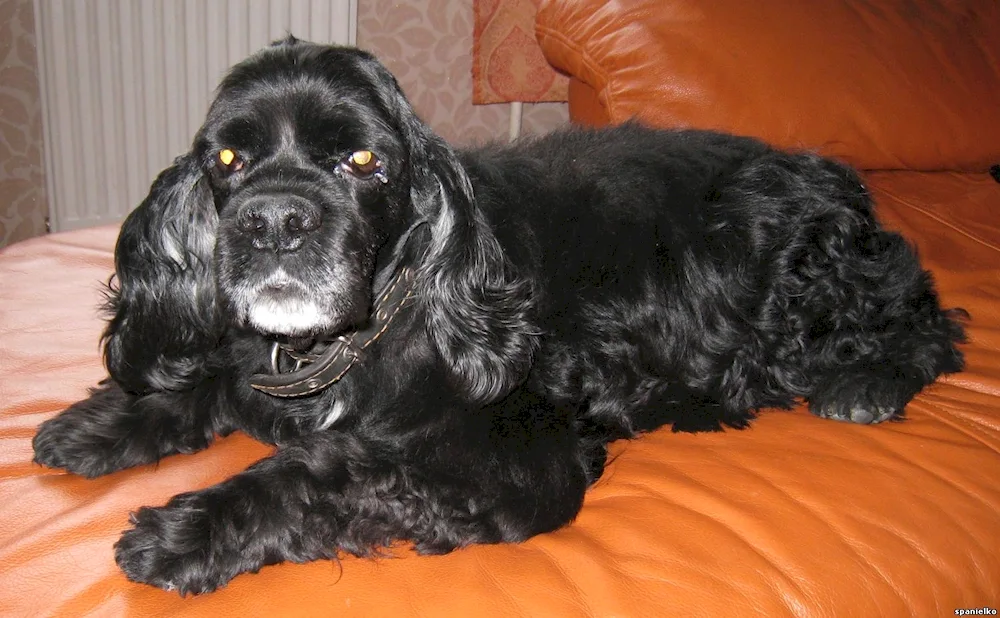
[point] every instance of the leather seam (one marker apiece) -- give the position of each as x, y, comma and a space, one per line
593, 68
945, 222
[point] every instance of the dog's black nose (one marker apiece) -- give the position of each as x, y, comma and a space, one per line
278, 222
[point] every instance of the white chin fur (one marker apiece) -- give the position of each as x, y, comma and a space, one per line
286, 317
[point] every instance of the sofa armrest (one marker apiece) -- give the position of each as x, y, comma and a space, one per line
888, 85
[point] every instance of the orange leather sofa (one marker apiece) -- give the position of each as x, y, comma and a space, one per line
796, 516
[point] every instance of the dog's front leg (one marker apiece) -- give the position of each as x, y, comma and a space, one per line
112, 430
288, 507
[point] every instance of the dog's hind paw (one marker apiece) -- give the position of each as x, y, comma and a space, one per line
859, 414
864, 398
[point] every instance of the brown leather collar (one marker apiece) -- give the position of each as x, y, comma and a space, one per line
315, 371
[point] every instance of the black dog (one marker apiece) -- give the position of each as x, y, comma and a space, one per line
442, 344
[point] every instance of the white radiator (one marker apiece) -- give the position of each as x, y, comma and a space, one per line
126, 83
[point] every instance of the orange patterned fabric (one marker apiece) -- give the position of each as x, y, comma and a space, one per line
507, 63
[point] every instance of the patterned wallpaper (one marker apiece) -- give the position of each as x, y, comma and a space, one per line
426, 43
22, 182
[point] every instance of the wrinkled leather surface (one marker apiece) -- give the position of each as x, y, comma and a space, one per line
797, 516
894, 84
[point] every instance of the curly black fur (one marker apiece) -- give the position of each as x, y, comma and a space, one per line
573, 289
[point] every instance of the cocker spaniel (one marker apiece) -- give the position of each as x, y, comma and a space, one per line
441, 343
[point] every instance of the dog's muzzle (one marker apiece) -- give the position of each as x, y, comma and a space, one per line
326, 362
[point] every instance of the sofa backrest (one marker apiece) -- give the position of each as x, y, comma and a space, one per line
881, 84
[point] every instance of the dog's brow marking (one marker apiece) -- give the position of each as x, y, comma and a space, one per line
287, 135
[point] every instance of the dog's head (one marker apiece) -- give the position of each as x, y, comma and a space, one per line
310, 173
309, 169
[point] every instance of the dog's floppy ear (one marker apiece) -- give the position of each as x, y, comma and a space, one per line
162, 299
479, 308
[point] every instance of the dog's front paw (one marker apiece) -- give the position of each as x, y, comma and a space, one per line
95, 436
177, 547
80, 448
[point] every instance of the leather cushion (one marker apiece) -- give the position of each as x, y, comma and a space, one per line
895, 84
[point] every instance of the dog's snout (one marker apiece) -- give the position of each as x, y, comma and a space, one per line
278, 222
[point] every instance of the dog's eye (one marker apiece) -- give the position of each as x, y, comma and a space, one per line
229, 161
364, 164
